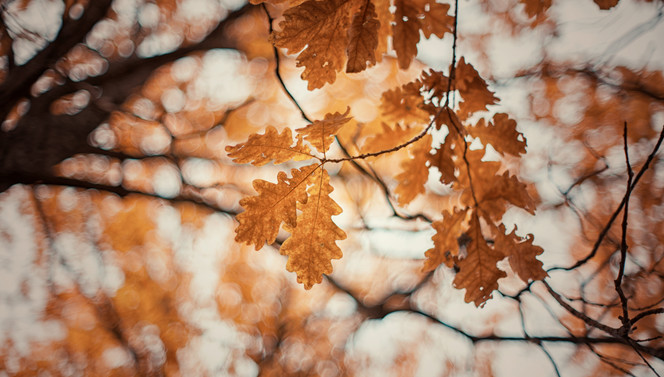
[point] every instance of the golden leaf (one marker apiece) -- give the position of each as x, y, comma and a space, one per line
521, 253
389, 138
410, 17
403, 104
534, 8
442, 160
473, 89
312, 244
496, 191
434, 19
445, 241
321, 133
501, 134
415, 172
606, 4
274, 204
363, 39
405, 32
478, 273
320, 30
261, 149
435, 82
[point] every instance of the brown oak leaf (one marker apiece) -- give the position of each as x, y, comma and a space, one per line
478, 271
321, 133
501, 133
410, 17
274, 204
320, 30
261, 149
442, 160
312, 244
521, 253
403, 104
606, 4
445, 240
362, 38
389, 138
415, 172
473, 89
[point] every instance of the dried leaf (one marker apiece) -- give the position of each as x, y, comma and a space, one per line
274, 204
434, 18
478, 273
501, 134
363, 39
521, 253
321, 132
261, 149
446, 239
442, 160
389, 138
495, 192
320, 30
312, 244
415, 172
410, 17
405, 32
473, 89
606, 4
535, 8
403, 104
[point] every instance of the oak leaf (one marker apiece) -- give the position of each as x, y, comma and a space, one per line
312, 244
442, 160
535, 8
403, 104
275, 204
478, 271
410, 17
521, 253
389, 138
319, 29
261, 149
501, 134
495, 192
321, 133
606, 4
415, 172
445, 240
362, 39
473, 89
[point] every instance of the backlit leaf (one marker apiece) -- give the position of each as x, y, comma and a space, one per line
473, 89
362, 39
403, 104
442, 160
521, 253
321, 132
410, 17
274, 204
320, 30
478, 273
415, 172
501, 134
606, 4
261, 149
389, 138
312, 244
445, 241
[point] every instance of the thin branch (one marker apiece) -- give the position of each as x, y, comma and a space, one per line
615, 214
276, 69
623, 245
